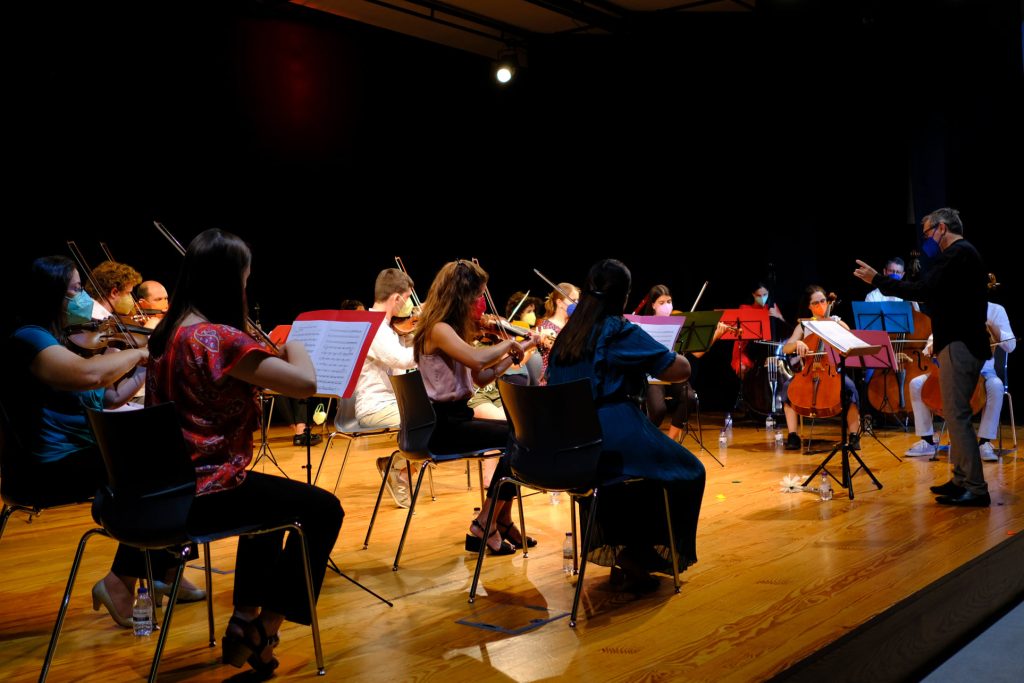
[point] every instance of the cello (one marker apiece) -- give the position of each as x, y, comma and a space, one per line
888, 390
816, 391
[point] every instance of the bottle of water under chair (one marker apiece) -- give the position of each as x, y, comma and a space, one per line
567, 553
142, 613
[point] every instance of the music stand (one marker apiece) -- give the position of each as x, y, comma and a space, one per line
846, 344
696, 336
893, 317
884, 359
266, 397
746, 324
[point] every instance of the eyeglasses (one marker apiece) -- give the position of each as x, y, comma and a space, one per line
929, 230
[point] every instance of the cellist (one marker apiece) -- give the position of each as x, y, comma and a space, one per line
819, 307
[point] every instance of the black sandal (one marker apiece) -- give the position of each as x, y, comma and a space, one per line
473, 542
264, 668
503, 530
235, 649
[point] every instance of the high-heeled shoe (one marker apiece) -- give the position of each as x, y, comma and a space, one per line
100, 595
473, 542
531, 542
250, 646
193, 594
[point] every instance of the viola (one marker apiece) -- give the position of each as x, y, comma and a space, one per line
817, 390
94, 337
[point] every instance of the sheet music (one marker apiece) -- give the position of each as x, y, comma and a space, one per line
839, 337
664, 329
334, 348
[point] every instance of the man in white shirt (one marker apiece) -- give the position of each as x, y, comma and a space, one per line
999, 331
894, 269
376, 405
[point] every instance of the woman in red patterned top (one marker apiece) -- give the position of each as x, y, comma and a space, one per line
204, 361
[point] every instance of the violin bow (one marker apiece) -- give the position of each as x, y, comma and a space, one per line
555, 287
76, 253
181, 250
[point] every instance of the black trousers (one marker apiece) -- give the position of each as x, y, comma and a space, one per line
268, 571
457, 431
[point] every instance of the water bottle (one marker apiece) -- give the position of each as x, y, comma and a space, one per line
723, 439
556, 497
567, 553
142, 613
728, 422
778, 438
826, 487
769, 425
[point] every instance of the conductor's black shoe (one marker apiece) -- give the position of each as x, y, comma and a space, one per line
854, 441
966, 499
793, 442
948, 489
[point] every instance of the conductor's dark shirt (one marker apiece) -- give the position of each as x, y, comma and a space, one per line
955, 288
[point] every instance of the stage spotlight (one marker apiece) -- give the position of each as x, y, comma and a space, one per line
506, 66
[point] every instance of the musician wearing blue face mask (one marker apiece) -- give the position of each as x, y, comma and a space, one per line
894, 270
558, 306
955, 290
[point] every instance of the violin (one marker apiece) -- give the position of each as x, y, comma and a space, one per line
94, 337
817, 390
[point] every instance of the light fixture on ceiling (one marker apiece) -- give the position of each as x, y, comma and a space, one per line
506, 66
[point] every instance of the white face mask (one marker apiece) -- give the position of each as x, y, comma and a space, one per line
406, 310
663, 309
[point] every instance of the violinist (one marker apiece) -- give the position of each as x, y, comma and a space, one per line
153, 301
45, 392
209, 364
955, 290
114, 282
376, 405
659, 302
742, 359
557, 308
451, 366
998, 325
819, 307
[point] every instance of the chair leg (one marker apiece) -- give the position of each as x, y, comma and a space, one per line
522, 521
583, 559
314, 622
344, 461
483, 547
62, 612
152, 588
430, 477
323, 456
575, 535
1013, 423
172, 600
480, 472
408, 517
469, 478
671, 538
380, 494
4, 516
209, 592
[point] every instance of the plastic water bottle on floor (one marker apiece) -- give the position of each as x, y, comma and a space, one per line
728, 422
778, 438
567, 553
723, 439
142, 613
826, 487
556, 497
769, 425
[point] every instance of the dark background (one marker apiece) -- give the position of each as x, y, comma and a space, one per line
730, 148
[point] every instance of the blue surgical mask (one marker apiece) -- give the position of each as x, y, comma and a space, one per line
896, 276
931, 247
761, 300
570, 308
79, 309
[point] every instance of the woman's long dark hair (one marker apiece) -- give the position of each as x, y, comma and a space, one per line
46, 289
603, 296
210, 283
648, 301
450, 300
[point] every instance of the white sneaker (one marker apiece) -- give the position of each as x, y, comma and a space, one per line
919, 448
988, 454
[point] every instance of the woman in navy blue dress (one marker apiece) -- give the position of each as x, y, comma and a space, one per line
617, 356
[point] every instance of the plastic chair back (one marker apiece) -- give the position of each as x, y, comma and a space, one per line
151, 481
418, 418
556, 439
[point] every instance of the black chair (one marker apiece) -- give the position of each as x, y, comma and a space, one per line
147, 507
418, 420
556, 446
1002, 371
21, 489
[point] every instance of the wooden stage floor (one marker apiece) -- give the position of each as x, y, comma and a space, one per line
780, 575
